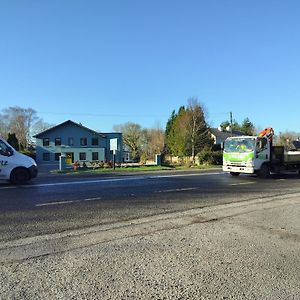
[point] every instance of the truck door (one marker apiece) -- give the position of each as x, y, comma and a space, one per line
262, 152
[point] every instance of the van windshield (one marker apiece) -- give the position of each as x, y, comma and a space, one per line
239, 145
4, 149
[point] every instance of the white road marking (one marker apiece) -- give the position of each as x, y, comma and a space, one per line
92, 199
7, 187
127, 178
186, 175
241, 183
67, 202
79, 182
177, 190
57, 203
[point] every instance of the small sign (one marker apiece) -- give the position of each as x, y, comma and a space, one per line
113, 144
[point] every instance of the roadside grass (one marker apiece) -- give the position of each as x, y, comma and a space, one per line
132, 169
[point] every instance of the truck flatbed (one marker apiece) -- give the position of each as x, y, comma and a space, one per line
292, 156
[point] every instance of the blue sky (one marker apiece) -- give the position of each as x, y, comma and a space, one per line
104, 63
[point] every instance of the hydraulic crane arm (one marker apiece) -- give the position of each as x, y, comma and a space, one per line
267, 132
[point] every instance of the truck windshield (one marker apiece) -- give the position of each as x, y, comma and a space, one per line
239, 145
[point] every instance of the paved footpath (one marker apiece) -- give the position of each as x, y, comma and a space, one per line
246, 250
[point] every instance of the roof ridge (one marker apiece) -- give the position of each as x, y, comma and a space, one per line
64, 123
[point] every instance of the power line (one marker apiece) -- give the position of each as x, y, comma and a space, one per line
100, 115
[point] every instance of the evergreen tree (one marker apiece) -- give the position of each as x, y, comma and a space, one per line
187, 131
169, 132
175, 133
247, 127
12, 140
180, 133
226, 124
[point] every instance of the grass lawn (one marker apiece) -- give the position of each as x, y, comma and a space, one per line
131, 169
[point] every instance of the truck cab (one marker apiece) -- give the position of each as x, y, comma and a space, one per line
246, 154
14, 166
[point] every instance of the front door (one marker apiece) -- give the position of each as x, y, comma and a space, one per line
69, 158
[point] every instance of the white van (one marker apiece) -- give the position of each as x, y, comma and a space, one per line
14, 166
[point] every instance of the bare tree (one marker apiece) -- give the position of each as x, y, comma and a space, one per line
132, 138
155, 141
19, 121
286, 139
40, 126
3, 127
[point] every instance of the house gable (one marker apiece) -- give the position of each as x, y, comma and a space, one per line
66, 125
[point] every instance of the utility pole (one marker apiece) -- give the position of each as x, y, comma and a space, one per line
231, 123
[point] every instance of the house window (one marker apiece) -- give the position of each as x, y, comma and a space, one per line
46, 142
46, 156
71, 141
95, 141
95, 156
83, 141
82, 156
57, 141
57, 155
127, 156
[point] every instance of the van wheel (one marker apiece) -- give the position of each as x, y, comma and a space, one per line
264, 171
19, 176
234, 173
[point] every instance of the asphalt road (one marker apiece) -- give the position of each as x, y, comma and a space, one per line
55, 204
181, 235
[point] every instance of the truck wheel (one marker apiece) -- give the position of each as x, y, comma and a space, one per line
19, 176
264, 171
234, 173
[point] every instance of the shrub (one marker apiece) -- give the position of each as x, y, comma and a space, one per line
97, 164
217, 157
207, 156
108, 164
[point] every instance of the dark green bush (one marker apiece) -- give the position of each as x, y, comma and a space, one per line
209, 157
